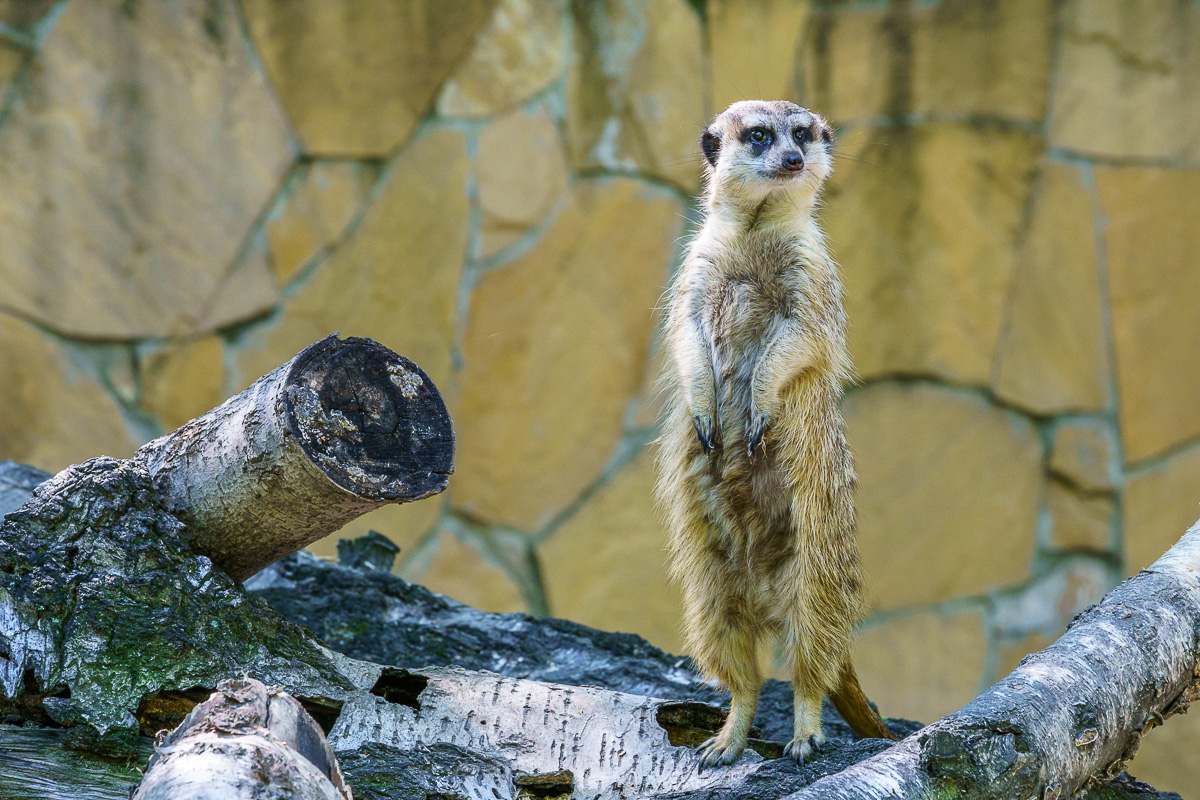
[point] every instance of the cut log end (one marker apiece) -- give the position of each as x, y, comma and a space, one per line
370, 419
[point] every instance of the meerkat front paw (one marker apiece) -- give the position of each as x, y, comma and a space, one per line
756, 427
801, 749
706, 431
719, 752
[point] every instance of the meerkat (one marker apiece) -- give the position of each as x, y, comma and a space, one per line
755, 475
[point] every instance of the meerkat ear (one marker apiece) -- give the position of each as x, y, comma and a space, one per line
710, 145
826, 133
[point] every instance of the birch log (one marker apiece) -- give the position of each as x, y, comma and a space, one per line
1068, 715
341, 429
244, 742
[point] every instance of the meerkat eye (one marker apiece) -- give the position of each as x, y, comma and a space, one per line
758, 135
801, 135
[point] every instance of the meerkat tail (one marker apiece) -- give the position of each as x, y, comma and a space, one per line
849, 700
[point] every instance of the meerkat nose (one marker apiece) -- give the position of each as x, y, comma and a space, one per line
793, 161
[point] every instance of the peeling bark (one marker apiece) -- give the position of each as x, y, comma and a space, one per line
341, 429
1067, 716
245, 742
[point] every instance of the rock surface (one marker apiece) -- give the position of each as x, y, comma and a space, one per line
1129, 61
957, 57
635, 93
555, 344
1084, 452
1053, 357
939, 472
397, 278
55, 411
925, 222
356, 78
1154, 287
139, 152
517, 55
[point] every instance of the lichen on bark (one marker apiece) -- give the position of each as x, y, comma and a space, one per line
103, 605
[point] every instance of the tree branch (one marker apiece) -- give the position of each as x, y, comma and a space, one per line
1068, 714
341, 429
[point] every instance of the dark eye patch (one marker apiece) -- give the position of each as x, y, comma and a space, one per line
758, 136
802, 135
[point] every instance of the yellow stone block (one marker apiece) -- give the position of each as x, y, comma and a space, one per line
753, 46
1084, 452
1077, 522
952, 57
1127, 82
554, 350
519, 53
522, 173
1167, 756
1152, 240
142, 151
948, 493
356, 77
1160, 502
11, 59
396, 280
925, 222
923, 665
184, 381
324, 201
635, 93
1053, 356
461, 572
51, 414
606, 566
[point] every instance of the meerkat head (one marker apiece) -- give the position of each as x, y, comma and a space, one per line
756, 148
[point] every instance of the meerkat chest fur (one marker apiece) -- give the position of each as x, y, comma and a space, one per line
756, 285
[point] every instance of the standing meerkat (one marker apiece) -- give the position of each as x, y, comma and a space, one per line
755, 474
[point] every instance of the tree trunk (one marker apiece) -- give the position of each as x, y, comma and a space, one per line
1075, 711
341, 429
244, 742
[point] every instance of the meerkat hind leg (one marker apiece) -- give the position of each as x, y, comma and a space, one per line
807, 735
733, 658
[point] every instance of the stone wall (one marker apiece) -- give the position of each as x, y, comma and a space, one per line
192, 191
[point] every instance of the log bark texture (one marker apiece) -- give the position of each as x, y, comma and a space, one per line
245, 742
1065, 716
341, 429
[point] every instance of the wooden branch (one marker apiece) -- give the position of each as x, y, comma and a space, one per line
245, 741
1068, 714
341, 429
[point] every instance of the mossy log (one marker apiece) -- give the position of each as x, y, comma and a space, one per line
343, 428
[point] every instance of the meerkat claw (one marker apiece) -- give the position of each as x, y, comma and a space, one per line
715, 753
754, 434
803, 749
704, 432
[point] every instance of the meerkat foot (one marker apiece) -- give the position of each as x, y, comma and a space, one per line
756, 426
720, 752
801, 749
705, 431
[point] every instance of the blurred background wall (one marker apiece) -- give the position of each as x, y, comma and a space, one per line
191, 191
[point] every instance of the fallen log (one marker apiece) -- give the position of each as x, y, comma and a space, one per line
1066, 717
245, 742
343, 428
